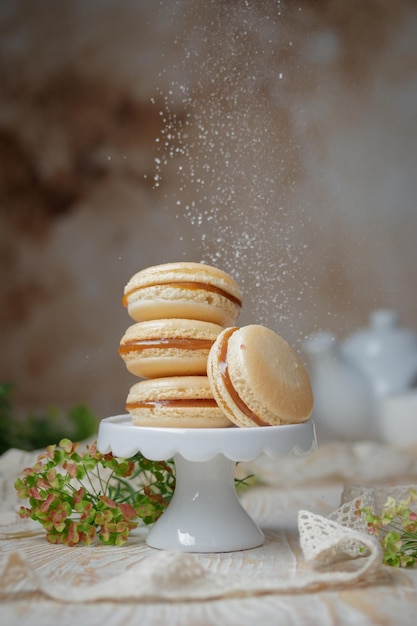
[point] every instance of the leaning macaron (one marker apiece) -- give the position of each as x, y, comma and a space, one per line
168, 347
183, 290
258, 379
175, 402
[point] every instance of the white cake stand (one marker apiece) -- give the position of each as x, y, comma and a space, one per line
204, 514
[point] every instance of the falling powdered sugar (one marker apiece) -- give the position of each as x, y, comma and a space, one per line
227, 140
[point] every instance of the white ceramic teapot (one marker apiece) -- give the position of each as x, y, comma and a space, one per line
344, 404
350, 377
385, 352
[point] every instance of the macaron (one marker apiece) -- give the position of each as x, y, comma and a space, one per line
257, 378
183, 290
168, 347
175, 402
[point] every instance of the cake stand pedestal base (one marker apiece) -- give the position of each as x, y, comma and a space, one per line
205, 513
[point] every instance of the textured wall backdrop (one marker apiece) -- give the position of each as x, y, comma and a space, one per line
277, 140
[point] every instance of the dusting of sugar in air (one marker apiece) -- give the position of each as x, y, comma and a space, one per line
225, 144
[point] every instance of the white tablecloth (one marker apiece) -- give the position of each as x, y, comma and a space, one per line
44, 584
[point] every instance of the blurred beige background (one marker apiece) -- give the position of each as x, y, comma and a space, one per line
277, 140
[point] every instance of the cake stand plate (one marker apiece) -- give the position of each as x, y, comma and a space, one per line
204, 514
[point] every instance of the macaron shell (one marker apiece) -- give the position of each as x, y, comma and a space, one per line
265, 373
166, 302
183, 290
175, 401
169, 347
181, 421
184, 271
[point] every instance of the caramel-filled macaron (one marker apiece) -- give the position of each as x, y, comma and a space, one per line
169, 347
175, 402
258, 379
183, 290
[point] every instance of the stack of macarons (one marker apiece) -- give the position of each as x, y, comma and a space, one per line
199, 369
179, 310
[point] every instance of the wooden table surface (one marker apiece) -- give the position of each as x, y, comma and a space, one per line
391, 599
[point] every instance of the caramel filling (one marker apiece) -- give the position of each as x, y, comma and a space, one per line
137, 345
224, 372
187, 285
191, 403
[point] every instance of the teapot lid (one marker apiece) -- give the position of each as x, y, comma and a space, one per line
383, 333
383, 319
